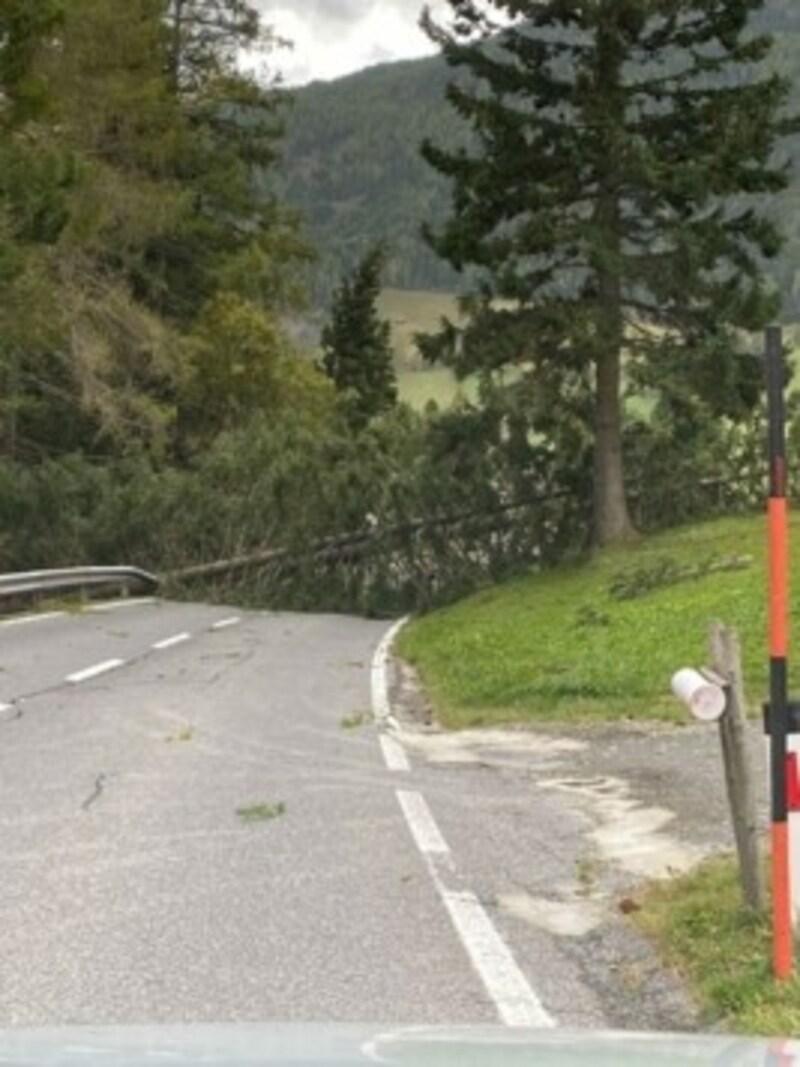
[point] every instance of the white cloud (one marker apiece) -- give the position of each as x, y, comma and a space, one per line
336, 37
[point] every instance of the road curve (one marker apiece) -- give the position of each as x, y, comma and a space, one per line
201, 822
132, 889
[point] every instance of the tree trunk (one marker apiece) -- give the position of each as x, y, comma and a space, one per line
176, 46
612, 521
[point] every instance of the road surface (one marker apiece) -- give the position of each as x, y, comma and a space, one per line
200, 821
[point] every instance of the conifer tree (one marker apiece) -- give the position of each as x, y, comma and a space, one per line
357, 353
604, 204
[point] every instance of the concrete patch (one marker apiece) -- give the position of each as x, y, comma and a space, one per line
564, 918
629, 835
491, 747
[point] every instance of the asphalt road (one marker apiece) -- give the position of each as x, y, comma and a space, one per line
202, 823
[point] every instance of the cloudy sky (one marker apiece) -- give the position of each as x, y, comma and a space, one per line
335, 37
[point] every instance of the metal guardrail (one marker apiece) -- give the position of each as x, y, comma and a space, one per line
80, 579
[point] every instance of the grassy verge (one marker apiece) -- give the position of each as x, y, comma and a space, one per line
418, 388
722, 951
562, 645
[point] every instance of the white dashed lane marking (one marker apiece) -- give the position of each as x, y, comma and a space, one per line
115, 605
111, 664
22, 620
92, 672
507, 986
170, 642
421, 823
516, 1002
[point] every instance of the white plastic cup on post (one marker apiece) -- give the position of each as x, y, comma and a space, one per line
705, 699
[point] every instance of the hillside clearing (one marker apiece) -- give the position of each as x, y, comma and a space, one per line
437, 385
413, 311
560, 645
410, 312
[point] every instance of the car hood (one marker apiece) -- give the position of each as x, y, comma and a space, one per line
246, 1044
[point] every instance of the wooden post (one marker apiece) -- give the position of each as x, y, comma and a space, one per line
727, 662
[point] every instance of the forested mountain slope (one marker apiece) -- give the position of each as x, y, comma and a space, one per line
352, 166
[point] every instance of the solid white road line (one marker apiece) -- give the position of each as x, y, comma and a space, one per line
378, 674
516, 1002
127, 602
421, 823
394, 754
223, 624
4, 712
92, 672
33, 618
507, 986
169, 642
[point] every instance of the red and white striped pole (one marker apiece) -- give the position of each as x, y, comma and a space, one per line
778, 661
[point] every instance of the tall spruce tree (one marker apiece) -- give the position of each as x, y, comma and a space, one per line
357, 353
603, 204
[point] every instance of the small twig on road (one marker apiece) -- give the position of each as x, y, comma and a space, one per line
99, 782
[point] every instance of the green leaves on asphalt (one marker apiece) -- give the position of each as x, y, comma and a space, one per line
261, 812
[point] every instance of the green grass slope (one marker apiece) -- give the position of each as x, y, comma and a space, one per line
560, 645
